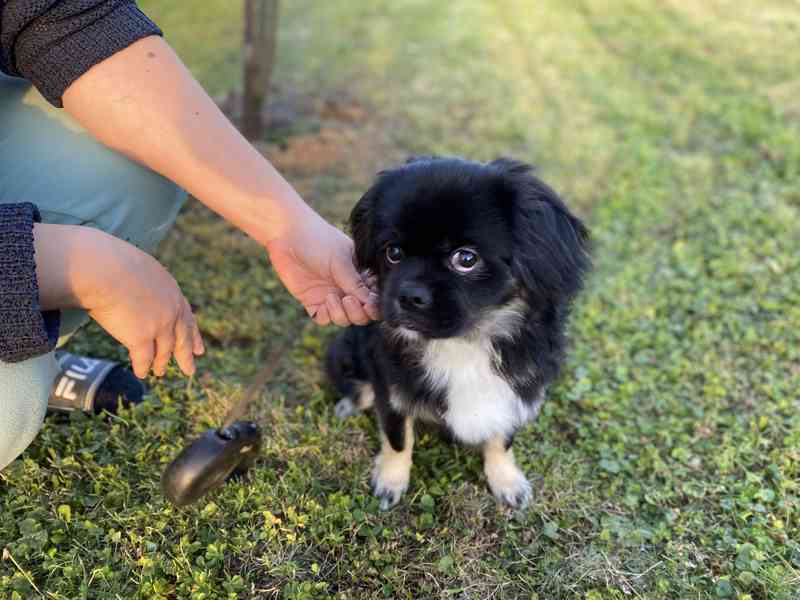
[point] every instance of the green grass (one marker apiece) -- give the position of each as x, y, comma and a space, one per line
666, 463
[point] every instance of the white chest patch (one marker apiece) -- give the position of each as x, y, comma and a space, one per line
480, 404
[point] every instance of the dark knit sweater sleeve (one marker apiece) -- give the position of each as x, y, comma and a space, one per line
53, 42
25, 331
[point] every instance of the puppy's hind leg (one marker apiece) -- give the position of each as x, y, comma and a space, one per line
392, 470
507, 482
348, 407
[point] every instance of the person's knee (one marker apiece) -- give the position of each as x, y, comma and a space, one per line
24, 390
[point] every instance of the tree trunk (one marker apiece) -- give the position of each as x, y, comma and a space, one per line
260, 31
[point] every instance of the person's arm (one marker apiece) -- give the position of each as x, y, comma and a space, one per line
144, 103
126, 291
45, 268
103, 60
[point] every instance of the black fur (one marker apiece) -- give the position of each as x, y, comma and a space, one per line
347, 362
533, 255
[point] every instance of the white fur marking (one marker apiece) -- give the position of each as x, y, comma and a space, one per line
366, 397
392, 470
480, 403
347, 408
503, 322
507, 482
403, 333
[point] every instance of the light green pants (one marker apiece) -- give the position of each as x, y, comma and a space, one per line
48, 159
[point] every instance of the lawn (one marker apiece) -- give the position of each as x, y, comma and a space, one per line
666, 463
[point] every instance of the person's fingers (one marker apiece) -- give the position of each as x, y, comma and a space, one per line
370, 279
355, 311
184, 343
321, 317
373, 308
165, 346
361, 291
141, 357
336, 311
198, 346
348, 279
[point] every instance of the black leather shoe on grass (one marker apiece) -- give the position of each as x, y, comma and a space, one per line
92, 385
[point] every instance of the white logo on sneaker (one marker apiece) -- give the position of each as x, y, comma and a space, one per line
66, 389
89, 365
78, 371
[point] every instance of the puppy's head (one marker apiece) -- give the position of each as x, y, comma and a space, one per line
454, 242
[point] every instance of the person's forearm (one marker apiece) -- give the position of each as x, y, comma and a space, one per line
144, 103
64, 256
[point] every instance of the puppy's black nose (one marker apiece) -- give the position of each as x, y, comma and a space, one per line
414, 296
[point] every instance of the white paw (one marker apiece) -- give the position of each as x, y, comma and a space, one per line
509, 485
390, 478
345, 408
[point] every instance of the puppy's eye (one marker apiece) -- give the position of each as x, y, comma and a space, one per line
464, 260
394, 254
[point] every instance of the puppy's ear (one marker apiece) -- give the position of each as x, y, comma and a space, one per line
362, 228
551, 245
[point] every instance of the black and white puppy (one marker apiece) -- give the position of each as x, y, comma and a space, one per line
477, 265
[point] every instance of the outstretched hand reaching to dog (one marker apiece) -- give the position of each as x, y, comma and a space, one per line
137, 102
314, 260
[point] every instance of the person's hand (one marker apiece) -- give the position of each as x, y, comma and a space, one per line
314, 260
138, 302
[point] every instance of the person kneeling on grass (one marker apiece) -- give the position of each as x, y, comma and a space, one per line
87, 192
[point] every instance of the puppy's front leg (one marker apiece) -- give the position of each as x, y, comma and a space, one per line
506, 480
393, 464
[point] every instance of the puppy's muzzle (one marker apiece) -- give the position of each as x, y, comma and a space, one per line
414, 297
